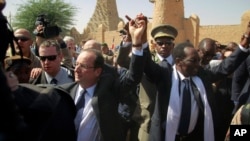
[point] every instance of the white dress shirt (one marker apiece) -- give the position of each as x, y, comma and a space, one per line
86, 122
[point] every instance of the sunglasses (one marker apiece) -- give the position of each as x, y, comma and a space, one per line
50, 58
22, 39
164, 43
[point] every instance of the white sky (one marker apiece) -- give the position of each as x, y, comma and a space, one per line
210, 12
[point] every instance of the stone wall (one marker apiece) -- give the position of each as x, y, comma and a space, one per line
222, 33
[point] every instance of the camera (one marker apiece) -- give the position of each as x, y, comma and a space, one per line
48, 30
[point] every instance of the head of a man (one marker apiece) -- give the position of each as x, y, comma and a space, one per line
50, 56
88, 69
19, 66
164, 36
229, 49
24, 40
206, 50
186, 59
92, 44
105, 48
70, 42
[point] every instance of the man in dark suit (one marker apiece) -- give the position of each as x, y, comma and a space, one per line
98, 117
241, 84
167, 114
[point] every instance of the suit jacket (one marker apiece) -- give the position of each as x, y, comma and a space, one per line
241, 83
106, 96
162, 78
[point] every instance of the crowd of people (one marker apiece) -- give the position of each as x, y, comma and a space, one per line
141, 90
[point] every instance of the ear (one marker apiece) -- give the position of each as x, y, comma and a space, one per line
98, 71
60, 56
178, 61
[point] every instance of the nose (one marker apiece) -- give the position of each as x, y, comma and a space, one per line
46, 61
76, 68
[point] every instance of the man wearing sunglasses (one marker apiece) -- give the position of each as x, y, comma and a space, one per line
53, 73
163, 43
24, 41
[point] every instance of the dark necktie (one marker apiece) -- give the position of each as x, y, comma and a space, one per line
81, 100
53, 81
165, 64
186, 109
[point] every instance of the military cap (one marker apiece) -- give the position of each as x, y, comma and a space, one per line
15, 60
104, 44
164, 30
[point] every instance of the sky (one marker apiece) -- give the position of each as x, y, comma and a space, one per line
210, 12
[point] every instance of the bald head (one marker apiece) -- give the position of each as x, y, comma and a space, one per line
207, 44
207, 50
24, 41
22, 32
92, 44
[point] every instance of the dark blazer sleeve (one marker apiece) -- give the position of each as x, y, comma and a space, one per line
133, 75
228, 65
239, 79
122, 57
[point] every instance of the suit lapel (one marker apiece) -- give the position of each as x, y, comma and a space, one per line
73, 91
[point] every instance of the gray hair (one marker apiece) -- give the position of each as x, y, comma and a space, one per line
68, 38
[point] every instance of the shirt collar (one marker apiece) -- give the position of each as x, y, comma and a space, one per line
169, 58
90, 90
57, 77
181, 76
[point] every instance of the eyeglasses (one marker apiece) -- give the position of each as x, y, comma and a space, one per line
84, 66
22, 39
50, 58
159, 43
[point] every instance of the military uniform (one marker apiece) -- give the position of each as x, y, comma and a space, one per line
148, 90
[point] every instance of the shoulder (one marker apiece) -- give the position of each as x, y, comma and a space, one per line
68, 86
68, 71
40, 78
109, 69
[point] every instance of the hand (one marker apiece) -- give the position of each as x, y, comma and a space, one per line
39, 29
245, 39
35, 72
137, 29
